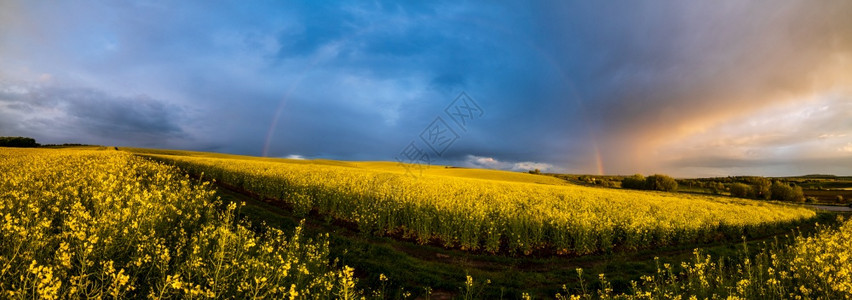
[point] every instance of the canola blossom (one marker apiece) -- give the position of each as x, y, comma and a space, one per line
495, 216
107, 224
815, 267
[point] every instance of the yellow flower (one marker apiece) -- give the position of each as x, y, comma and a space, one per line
293, 293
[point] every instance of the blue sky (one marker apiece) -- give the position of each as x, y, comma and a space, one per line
690, 89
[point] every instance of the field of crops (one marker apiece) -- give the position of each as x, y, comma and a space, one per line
107, 224
384, 166
492, 215
814, 267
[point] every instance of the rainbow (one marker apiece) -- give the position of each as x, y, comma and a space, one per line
597, 157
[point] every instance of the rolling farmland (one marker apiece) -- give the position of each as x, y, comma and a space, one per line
494, 215
123, 225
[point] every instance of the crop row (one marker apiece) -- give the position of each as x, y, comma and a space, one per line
495, 216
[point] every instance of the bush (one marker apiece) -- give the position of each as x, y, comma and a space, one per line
636, 182
716, 188
761, 188
798, 194
785, 192
741, 190
661, 182
607, 183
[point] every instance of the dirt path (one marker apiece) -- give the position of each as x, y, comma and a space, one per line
832, 208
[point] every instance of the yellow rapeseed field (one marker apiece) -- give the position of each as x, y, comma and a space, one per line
815, 267
107, 224
493, 215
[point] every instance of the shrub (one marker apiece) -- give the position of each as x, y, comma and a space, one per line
761, 188
607, 183
660, 182
798, 194
636, 182
785, 192
741, 190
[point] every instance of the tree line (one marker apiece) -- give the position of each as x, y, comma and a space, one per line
28, 142
763, 190
752, 187
17, 141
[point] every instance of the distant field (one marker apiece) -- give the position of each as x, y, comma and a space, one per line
385, 166
485, 210
830, 195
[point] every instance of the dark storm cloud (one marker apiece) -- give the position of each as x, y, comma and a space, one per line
60, 115
426, 62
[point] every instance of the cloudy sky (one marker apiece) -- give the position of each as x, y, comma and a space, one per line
684, 88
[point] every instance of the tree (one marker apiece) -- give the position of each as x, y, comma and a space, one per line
798, 194
536, 171
636, 182
741, 190
785, 192
780, 191
17, 141
661, 182
760, 187
607, 183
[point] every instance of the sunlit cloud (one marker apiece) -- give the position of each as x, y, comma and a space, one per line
474, 161
788, 132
